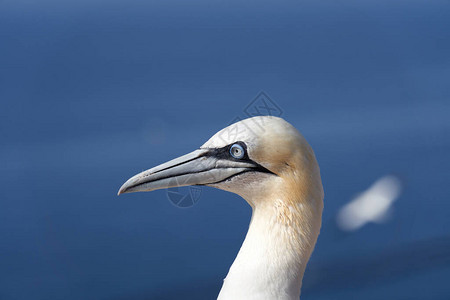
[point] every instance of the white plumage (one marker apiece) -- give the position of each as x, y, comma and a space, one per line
269, 163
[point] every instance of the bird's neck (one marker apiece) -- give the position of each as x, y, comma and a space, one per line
273, 257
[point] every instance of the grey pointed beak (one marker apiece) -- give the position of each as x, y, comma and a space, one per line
200, 167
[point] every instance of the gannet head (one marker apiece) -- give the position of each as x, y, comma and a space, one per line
269, 163
253, 158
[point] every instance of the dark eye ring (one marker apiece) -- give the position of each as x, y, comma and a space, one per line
237, 151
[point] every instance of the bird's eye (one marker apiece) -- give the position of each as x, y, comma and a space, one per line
237, 151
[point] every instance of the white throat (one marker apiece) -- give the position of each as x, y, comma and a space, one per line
273, 257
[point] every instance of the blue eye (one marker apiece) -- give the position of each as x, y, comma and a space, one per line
237, 151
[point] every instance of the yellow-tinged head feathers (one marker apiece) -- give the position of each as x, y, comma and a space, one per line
279, 147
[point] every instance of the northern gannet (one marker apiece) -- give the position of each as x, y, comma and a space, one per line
267, 162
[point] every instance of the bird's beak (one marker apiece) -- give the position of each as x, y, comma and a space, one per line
200, 167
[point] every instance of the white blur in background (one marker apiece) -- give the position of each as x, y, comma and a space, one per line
372, 205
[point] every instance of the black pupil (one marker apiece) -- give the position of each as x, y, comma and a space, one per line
236, 151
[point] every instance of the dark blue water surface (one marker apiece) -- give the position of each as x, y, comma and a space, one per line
92, 92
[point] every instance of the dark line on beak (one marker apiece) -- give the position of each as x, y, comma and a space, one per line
229, 177
258, 168
179, 164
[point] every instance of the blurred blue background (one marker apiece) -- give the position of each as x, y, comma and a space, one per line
93, 92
